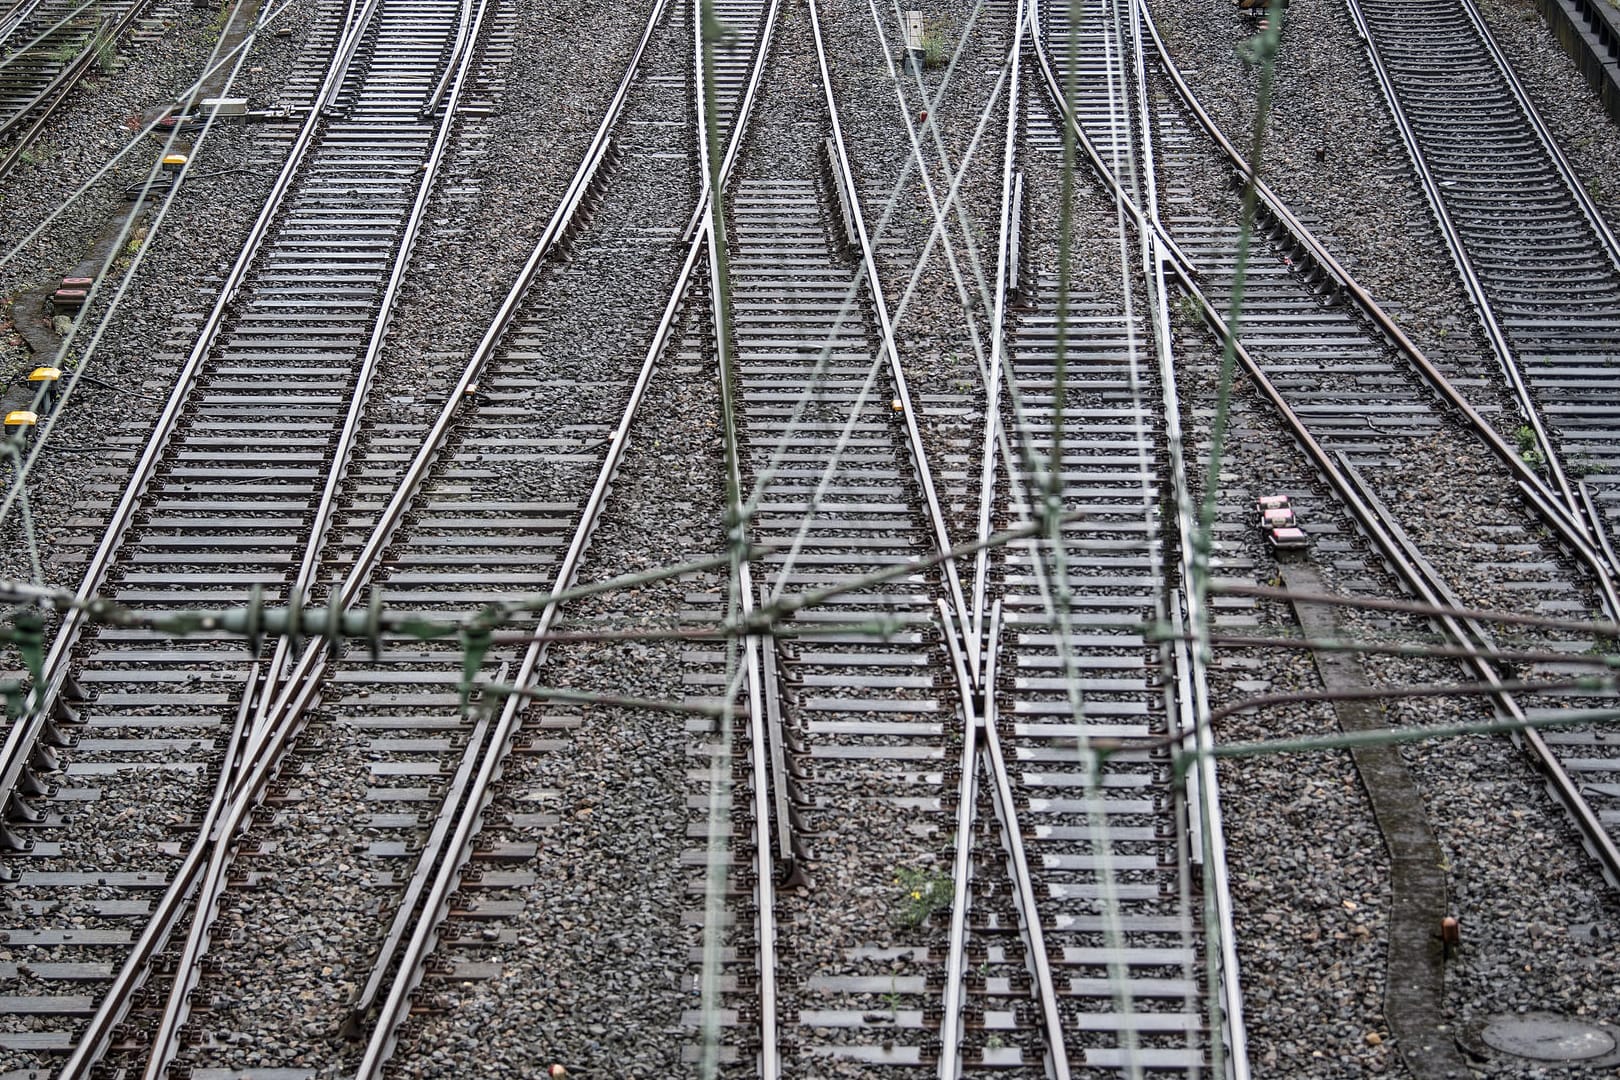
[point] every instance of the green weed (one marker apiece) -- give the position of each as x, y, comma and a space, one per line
924, 892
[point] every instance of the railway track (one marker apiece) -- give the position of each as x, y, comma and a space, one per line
1534, 254
1102, 851
472, 484
1346, 413
861, 714
1303, 305
209, 520
845, 731
1108, 854
47, 47
1326, 403
396, 722
1025, 912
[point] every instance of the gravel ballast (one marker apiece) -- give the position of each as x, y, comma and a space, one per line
595, 951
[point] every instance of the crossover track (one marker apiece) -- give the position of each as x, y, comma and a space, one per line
587, 476
1102, 859
1079, 951
826, 465
403, 705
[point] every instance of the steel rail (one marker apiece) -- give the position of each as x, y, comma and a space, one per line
1432, 589
58, 88
739, 120
1566, 172
300, 684
1043, 986
92, 1044
1597, 839
919, 451
22, 50
1054, 90
1159, 241
1543, 500
1206, 830
937, 234
1006, 278
1592, 514
742, 588
463, 28
24, 731
1204, 825
1040, 963
1184, 606
205, 908
427, 859
741, 584
425, 931
15, 16
1506, 357
951, 1020
788, 871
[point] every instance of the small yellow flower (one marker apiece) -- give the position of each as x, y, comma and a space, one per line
916, 895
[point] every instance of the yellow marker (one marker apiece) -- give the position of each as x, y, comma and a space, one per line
45, 374
21, 418
896, 406
174, 162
